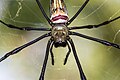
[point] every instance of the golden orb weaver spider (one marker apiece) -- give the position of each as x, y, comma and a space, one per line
60, 33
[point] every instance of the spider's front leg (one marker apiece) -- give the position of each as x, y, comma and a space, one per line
45, 60
104, 42
16, 50
51, 52
82, 75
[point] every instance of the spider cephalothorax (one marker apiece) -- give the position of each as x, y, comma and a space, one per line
59, 34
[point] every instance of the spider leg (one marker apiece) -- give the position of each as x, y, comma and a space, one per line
78, 12
95, 39
43, 12
95, 26
45, 60
25, 28
16, 50
68, 53
82, 75
52, 56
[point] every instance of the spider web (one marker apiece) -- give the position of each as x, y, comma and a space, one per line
96, 59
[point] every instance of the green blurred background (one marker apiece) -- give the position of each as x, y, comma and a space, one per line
98, 61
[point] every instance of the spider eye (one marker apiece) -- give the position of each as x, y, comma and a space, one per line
63, 33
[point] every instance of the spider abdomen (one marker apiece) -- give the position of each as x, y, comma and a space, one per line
59, 19
58, 12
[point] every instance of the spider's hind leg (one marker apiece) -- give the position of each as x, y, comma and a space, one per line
94, 26
24, 28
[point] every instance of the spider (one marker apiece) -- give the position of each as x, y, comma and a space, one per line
59, 34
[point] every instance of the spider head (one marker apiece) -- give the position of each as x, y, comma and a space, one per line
59, 34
